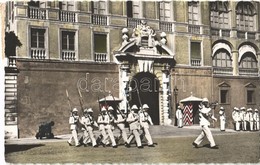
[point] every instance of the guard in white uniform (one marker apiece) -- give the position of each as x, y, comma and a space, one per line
222, 119
101, 122
250, 118
89, 123
179, 116
243, 118
204, 115
120, 123
133, 120
74, 121
145, 121
236, 118
256, 120
109, 119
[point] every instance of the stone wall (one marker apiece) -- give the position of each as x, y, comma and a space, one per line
42, 88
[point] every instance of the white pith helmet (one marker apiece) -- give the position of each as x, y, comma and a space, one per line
205, 100
89, 110
134, 107
110, 108
103, 109
74, 110
145, 106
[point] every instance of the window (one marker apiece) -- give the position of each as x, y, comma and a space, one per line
219, 14
133, 9
100, 47
245, 13
68, 40
248, 61
250, 97
224, 90
67, 5
37, 44
193, 12
129, 6
37, 38
222, 59
223, 96
165, 11
99, 7
195, 53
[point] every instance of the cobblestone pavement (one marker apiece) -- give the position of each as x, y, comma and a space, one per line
156, 132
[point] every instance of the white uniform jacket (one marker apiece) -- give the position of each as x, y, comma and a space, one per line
73, 121
256, 117
101, 121
204, 116
120, 119
179, 114
89, 122
133, 120
145, 119
236, 116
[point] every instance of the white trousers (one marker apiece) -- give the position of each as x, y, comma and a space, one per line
74, 135
237, 125
111, 136
135, 134
148, 136
256, 125
180, 123
222, 125
244, 125
205, 131
251, 125
122, 131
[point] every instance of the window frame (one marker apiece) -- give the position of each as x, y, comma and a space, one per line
46, 40
163, 18
190, 52
75, 42
191, 20
224, 87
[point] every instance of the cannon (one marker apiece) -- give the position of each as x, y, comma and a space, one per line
45, 131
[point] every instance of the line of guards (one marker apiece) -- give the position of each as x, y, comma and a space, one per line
245, 119
138, 120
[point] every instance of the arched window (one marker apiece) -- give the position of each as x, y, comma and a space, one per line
222, 59
245, 13
219, 14
248, 61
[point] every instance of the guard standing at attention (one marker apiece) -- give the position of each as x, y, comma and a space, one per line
222, 118
237, 119
179, 116
74, 121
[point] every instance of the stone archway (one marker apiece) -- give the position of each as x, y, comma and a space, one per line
145, 90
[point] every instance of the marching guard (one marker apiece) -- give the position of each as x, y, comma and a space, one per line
89, 123
109, 119
256, 119
101, 122
236, 118
179, 116
250, 118
120, 123
204, 115
145, 120
222, 118
74, 121
133, 120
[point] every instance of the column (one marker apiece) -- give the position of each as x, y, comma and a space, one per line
165, 97
124, 85
258, 60
235, 63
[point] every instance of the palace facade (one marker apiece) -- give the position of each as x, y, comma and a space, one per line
153, 52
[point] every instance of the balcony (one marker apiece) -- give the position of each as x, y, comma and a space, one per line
68, 55
252, 72
67, 16
11, 61
36, 13
100, 57
195, 62
194, 29
165, 26
133, 22
223, 70
38, 53
99, 19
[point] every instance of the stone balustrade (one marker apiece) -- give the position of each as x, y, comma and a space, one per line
38, 53
68, 55
100, 57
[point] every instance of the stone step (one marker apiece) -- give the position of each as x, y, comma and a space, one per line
7, 77
10, 98
10, 81
10, 103
10, 110
10, 90
10, 85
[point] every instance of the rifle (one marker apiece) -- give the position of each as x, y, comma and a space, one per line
100, 109
118, 108
68, 100
107, 108
140, 101
81, 101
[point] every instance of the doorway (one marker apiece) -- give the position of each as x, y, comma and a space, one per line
145, 90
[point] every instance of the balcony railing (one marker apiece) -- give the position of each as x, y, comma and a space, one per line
165, 26
68, 55
67, 16
195, 62
11, 61
38, 53
100, 57
248, 72
133, 22
194, 29
215, 32
36, 13
99, 19
223, 70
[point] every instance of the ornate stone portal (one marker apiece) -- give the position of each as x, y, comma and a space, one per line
144, 56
